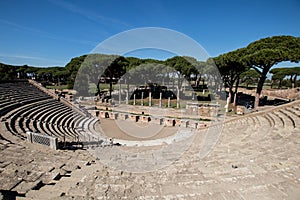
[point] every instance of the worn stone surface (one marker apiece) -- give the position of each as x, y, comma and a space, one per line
256, 157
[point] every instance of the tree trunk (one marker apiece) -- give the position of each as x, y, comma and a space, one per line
294, 81
228, 101
168, 80
236, 91
120, 99
198, 81
272, 84
98, 88
259, 89
128, 88
180, 82
292, 84
110, 87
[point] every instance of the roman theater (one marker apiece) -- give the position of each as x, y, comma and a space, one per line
52, 147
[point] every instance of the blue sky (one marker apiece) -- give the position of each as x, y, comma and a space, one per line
51, 32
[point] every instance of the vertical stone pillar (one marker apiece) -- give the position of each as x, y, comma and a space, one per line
134, 99
173, 87
142, 99
160, 100
150, 99
127, 98
178, 93
169, 100
29, 136
119, 92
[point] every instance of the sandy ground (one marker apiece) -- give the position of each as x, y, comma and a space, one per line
125, 130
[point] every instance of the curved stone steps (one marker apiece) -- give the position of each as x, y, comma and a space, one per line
48, 126
57, 122
288, 120
32, 120
256, 133
293, 116
28, 125
50, 120
96, 127
257, 121
21, 126
241, 129
81, 123
18, 113
68, 125
66, 129
270, 120
296, 108
43, 119
90, 126
26, 112
74, 128
279, 123
29, 109
11, 106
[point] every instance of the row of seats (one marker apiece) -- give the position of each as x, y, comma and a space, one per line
25, 108
254, 157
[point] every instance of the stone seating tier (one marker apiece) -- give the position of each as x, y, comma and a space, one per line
27, 107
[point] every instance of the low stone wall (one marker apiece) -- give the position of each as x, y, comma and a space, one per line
157, 120
171, 122
287, 94
205, 110
42, 139
292, 94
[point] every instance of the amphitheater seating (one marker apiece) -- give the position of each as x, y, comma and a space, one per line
24, 107
256, 157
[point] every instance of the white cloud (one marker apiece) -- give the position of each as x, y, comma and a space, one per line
15, 59
88, 14
46, 34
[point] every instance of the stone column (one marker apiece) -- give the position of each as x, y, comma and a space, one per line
134, 99
173, 87
142, 99
169, 100
178, 93
150, 99
127, 98
160, 100
119, 92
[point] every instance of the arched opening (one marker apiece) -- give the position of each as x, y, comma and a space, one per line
173, 122
106, 115
137, 118
149, 119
